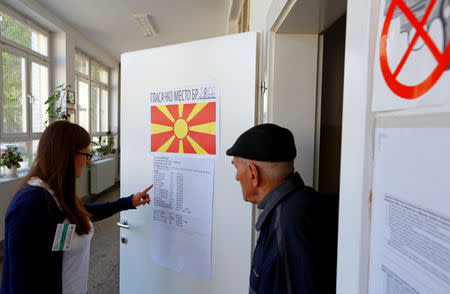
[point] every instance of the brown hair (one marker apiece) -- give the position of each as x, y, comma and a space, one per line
55, 165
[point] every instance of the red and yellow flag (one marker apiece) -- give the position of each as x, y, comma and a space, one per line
184, 128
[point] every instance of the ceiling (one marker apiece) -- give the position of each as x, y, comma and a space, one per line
109, 23
312, 16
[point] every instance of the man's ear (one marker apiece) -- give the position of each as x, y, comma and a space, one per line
254, 174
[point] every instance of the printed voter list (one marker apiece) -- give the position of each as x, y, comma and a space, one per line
182, 214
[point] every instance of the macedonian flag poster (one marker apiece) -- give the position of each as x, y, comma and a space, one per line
184, 121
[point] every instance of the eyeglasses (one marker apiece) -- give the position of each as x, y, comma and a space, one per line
88, 155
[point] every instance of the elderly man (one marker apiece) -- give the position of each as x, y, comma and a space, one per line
296, 248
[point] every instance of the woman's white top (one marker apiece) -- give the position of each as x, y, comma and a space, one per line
75, 266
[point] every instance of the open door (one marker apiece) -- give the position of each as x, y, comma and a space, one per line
230, 63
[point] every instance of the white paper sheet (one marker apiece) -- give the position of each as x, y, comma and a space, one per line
182, 214
410, 233
411, 70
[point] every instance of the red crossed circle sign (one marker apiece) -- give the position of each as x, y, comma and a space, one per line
443, 59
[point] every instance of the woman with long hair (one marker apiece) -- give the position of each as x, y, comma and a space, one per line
46, 200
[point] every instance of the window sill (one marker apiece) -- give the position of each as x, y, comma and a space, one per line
21, 175
94, 159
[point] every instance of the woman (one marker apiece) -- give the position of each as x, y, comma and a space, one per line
46, 198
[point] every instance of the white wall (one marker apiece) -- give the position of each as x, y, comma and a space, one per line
114, 106
357, 141
292, 102
258, 13
58, 51
83, 184
8, 189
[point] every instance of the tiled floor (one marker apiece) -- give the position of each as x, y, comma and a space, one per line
104, 263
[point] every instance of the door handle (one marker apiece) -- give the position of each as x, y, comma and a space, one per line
124, 224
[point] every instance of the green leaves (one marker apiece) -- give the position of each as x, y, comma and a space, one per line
11, 157
55, 105
104, 149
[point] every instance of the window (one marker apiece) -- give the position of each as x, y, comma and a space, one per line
99, 74
24, 83
23, 35
93, 94
81, 65
83, 102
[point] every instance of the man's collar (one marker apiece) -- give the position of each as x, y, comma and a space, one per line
272, 198
262, 204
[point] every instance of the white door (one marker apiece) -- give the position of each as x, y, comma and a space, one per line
230, 63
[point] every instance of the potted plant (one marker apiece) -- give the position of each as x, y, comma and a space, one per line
55, 109
105, 149
10, 160
111, 140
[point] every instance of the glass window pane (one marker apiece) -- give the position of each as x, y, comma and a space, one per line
14, 94
15, 31
39, 92
83, 104
95, 72
97, 143
99, 73
99, 140
104, 111
104, 76
81, 64
95, 108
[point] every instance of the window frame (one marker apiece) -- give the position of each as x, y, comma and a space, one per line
33, 59
101, 66
16, 52
27, 23
90, 81
77, 103
30, 57
101, 87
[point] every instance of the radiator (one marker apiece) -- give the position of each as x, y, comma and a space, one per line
102, 175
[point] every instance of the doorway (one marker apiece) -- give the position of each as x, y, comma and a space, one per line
305, 73
307, 49
332, 86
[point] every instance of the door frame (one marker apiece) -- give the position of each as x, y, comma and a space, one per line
357, 137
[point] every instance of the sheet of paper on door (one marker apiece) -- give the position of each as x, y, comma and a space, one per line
410, 231
182, 214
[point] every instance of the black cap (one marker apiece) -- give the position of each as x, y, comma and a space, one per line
265, 142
